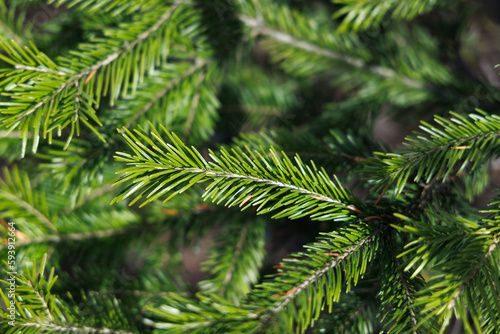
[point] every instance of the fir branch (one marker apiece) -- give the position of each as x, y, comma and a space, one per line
357, 312
302, 190
113, 7
36, 309
40, 69
384, 72
458, 248
51, 94
311, 279
74, 236
232, 264
149, 64
406, 289
41, 300
8, 33
21, 201
70, 329
194, 105
13, 23
259, 180
259, 28
31, 209
409, 300
182, 315
156, 98
235, 259
363, 14
86, 72
448, 149
96, 193
127, 46
175, 168
199, 64
475, 270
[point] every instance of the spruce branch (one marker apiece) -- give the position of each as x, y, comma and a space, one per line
8, 33
360, 313
42, 216
460, 276
126, 47
309, 278
198, 65
19, 200
13, 25
458, 143
179, 315
192, 110
52, 94
45, 328
40, 69
479, 266
398, 288
363, 14
31, 209
39, 310
158, 97
235, 259
313, 277
42, 301
96, 193
74, 236
232, 264
113, 7
247, 176
285, 38
307, 281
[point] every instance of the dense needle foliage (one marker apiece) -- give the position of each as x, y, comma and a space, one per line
211, 167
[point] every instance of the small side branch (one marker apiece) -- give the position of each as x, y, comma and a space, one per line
73, 236
31, 209
42, 301
413, 318
108, 60
73, 329
356, 62
474, 271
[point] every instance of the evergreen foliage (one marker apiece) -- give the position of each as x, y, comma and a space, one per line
135, 131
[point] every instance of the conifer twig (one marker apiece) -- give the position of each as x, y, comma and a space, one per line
200, 63
74, 236
9, 33
266, 316
194, 105
72, 329
108, 60
31, 209
413, 318
304, 45
473, 272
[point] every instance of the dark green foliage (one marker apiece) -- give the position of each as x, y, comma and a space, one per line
40, 311
235, 259
210, 167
